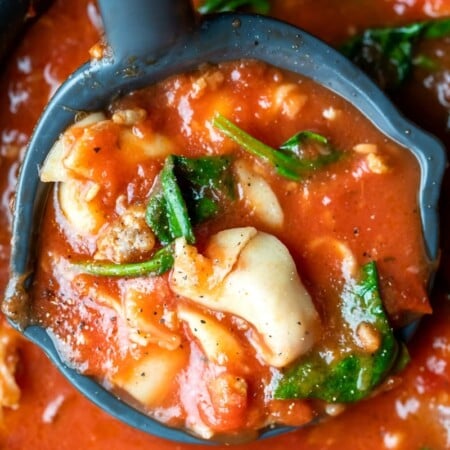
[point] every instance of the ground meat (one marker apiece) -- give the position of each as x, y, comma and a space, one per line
127, 239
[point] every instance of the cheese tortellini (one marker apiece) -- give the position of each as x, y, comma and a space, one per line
252, 275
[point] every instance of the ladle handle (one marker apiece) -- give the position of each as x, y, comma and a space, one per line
144, 28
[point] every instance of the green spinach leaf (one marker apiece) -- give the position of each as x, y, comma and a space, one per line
387, 54
291, 160
353, 374
211, 6
188, 191
205, 183
166, 212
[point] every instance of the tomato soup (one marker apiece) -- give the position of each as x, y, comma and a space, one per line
411, 412
208, 239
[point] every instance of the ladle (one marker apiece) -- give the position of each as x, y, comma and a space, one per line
148, 40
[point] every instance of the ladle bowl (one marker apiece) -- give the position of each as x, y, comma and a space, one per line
149, 40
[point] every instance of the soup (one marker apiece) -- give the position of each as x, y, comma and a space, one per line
413, 414
212, 247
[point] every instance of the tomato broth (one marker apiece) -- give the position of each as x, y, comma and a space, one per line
94, 336
267, 253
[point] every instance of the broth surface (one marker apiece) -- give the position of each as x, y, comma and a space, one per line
413, 415
333, 220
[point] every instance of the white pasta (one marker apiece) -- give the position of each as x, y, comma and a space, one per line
341, 252
262, 286
150, 379
218, 343
259, 195
84, 215
54, 169
144, 325
149, 145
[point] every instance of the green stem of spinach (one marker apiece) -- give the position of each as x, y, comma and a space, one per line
161, 262
286, 161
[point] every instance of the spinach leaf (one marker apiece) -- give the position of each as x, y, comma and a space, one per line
425, 62
436, 29
289, 160
188, 191
354, 372
205, 182
166, 212
211, 6
161, 262
387, 54
313, 151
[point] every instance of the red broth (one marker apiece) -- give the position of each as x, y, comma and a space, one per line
332, 221
413, 415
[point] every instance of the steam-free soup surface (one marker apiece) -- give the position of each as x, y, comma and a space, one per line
258, 276
412, 415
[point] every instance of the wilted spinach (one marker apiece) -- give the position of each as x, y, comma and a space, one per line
353, 374
291, 161
211, 6
387, 54
188, 191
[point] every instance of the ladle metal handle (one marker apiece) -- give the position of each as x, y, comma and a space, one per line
144, 28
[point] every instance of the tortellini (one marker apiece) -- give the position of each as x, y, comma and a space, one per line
252, 275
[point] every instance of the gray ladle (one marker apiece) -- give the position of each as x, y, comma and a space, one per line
150, 40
